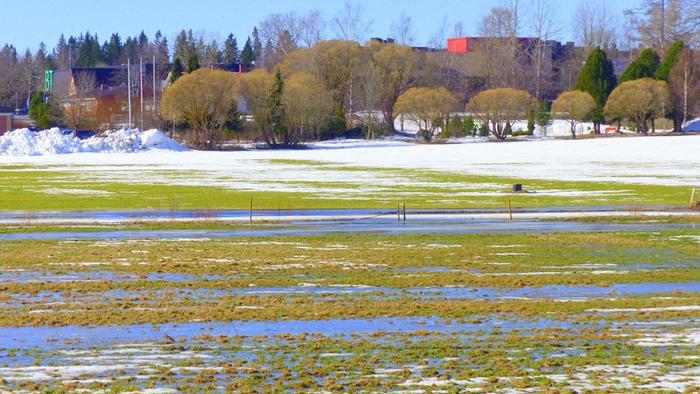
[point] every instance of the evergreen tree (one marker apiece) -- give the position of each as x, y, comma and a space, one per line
184, 46
276, 107
230, 53
61, 54
176, 71
192, 63
37, 110
597, 78
543, 115
670, 60
130, 51
645, 66
112, 50
257, 44
89, 51
160, 51
72, 51
247, 54
144, 45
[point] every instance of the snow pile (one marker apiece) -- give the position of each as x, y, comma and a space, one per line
156, 139
23, 142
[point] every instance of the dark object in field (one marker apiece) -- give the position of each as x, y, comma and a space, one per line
517, 188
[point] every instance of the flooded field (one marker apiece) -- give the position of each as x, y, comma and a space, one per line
436, 305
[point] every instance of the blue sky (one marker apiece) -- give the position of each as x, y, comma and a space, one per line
28, 22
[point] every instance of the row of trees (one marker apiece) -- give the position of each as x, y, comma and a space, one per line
308, 96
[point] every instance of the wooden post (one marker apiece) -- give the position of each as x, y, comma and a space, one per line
398, 211
250, 211
510, 210
692, 199
404, 212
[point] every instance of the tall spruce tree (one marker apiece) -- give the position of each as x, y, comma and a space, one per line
247, 55
645, 66
277, 111
669, 61
230, 53
89, 50
597, 78
112, 50
257, 44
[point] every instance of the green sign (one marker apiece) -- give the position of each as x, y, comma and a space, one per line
48, 80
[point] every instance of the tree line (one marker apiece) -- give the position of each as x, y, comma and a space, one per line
364, 80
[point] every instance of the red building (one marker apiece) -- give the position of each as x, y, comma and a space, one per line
5, 120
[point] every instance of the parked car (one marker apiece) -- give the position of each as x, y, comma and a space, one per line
85, 134
22, 111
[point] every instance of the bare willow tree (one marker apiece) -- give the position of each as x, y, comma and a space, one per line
574, 106
499, 108
396, 68
308, 107
204, 99
349, 23
336, 64
658, 23
429, 108
402, 30
640, 101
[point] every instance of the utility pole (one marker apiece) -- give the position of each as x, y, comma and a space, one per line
128, 86
141, 88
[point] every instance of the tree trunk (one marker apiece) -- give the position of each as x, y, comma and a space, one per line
388, 119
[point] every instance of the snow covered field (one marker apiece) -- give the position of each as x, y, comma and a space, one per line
640, 160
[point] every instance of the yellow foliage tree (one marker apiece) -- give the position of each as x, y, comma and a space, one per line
308, 107
336, 64
204, 99
396, 69
429, 108
500, 108
575, 106
640, 101
255, 88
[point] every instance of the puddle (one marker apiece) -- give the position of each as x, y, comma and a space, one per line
74, 337
552, 292
17, 276
382, 227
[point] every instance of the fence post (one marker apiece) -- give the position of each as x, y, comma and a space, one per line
250, 211
404, 212
510, 210
692, 199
